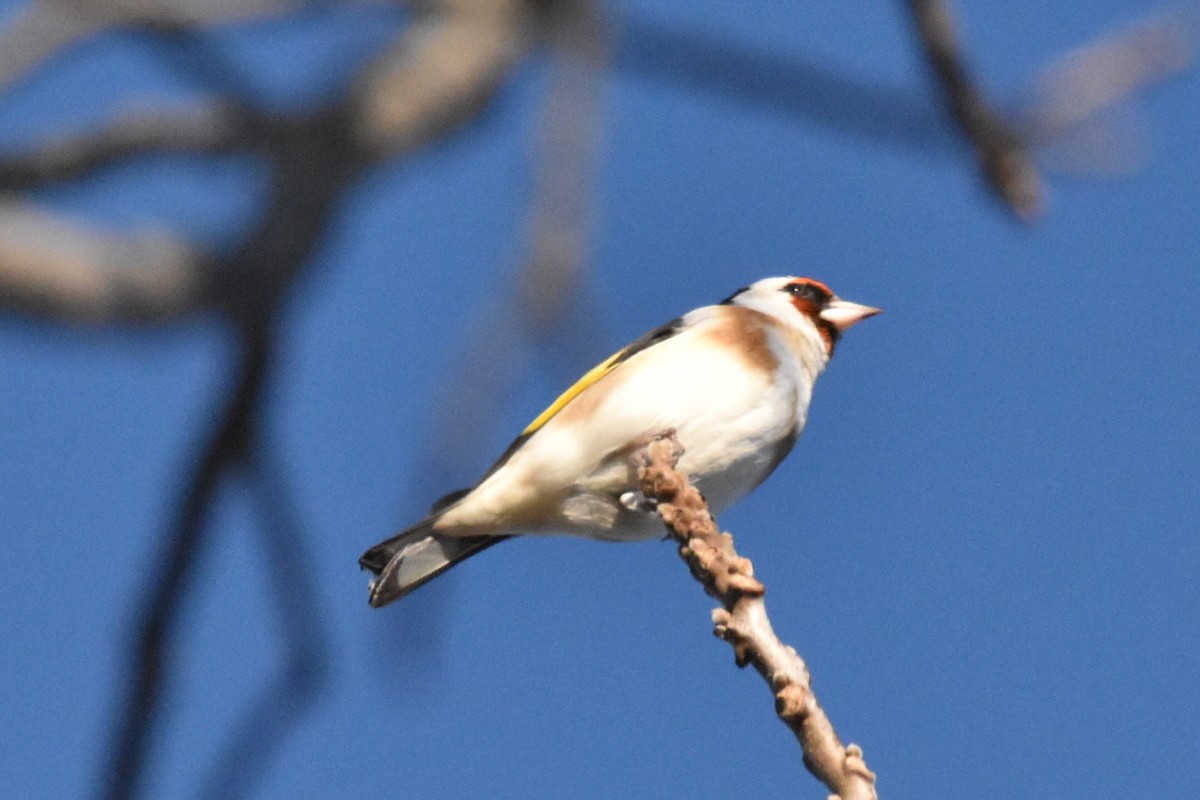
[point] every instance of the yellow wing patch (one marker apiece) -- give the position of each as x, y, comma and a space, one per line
592, 376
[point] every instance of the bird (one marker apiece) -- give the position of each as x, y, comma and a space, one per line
732, 380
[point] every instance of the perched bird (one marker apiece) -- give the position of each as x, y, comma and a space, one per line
733, 380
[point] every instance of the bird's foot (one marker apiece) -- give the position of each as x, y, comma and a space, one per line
673, 449
636, 501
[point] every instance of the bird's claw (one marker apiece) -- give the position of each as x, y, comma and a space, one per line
636, 501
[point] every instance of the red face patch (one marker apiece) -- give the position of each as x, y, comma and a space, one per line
810, 297
822, 288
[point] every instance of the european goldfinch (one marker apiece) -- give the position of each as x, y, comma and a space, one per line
732, 380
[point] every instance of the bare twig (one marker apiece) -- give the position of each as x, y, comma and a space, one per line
138, 130
40, 30
551, 278
1003, 158
742, 620
246, 755
781, 83
439, 74
54, 268
150, 665
1104, 73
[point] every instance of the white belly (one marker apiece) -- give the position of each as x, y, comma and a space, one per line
731, 420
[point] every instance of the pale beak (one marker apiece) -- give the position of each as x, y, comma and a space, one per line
841, 314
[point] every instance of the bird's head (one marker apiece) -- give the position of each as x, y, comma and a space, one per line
804, 304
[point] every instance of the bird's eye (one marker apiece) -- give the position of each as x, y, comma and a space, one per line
806, 291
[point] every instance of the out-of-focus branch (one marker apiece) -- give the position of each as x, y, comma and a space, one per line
569, 131
312, 169
742, 620
34, 32
1071, 93
41, 29
548, 282
1104, 73
136, 131
1003, 158
53, 268
183, 12
150, 658
442, 70
246, 756
782, 83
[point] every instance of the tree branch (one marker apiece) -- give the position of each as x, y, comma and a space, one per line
256, 739
1006, 164
44, 28
550, 281
54, 268
742, 620
1105, 72
441, 71
158, 614
208, 128
38, 31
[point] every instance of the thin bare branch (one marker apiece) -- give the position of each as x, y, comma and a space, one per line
183, 12
1003, 158
40, 30
281, 701
568, 144
136, 130
442, 70
158, 612
63, 270
35, 32
1105, 73
742, 620
782, 83
1073, 92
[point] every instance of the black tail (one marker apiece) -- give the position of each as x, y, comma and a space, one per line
414, 556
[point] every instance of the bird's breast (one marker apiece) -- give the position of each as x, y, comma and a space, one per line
734, 411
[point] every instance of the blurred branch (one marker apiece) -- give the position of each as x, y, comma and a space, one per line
442, 70
742, 620
568, 136
1073, 92
247, 753
136, 131
36, 31
159, 609
41, 29
183, 12
53, 268
781, 83
1003, 158
1105, 73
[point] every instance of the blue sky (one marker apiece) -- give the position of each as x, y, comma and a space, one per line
985, 544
